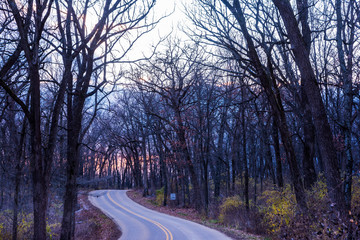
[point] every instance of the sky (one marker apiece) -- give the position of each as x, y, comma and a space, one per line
164, 27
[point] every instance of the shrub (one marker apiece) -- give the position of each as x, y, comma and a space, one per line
278, 210
5, 224
51, 230
159, 196
230, 206
25, 225
283, 221
4, 233
234, 213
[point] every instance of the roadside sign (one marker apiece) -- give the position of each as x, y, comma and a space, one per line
172, 196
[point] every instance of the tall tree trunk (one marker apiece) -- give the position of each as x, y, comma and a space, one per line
68, 220
346, 79
40, 187
307, 123
322, 126
309, 147
145, 165
220, 155
137, 167
187, 160
252, 149
245, 159
163, 169
269, 166
35, 17
74, 108
206, 187
152, 171
275, 136
235, 152
272, 92
18, 174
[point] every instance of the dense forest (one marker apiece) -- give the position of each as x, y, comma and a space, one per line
251, 117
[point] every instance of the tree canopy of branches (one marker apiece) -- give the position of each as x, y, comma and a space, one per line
65, 49
259, 95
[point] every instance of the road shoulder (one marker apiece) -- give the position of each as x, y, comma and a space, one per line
191, 215
92, 223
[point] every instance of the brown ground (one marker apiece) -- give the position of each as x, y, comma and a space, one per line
91, 223
189, 214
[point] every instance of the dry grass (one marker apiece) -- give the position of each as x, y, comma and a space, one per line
91, 223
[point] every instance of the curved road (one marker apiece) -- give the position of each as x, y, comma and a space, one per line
139, 223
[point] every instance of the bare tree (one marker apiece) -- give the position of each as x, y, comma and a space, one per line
91, 53
322, 127
170, 76
266, 75
30, 43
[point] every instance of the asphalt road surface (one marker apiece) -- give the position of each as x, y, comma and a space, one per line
139, 223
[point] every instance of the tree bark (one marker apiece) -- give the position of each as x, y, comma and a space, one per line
187, 160
163, 169
18, 174
268, 83
245, 158
275, 136
307, 123
346, 79
145, 165
40, 186
322, 126
220, 155
309, 145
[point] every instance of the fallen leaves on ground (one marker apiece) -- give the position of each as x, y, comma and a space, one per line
91, 223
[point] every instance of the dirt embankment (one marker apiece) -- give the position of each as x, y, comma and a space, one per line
91, 223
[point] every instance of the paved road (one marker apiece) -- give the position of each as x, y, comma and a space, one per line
139, 223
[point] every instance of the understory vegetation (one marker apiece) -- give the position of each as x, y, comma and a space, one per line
91, 223
276, 215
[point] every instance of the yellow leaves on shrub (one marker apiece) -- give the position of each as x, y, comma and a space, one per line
319, 189
229, 206
159, 196
355, 200
26, 224
1, 229
280, 208
50, 230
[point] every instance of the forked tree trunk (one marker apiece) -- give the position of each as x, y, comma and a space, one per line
322, 126
272, 92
